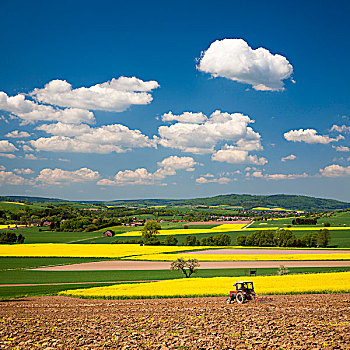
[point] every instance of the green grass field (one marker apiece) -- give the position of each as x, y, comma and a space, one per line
37, 277
15, 263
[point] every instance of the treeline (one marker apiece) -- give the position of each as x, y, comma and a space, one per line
304, 221
221, 239
9, 237
284, 238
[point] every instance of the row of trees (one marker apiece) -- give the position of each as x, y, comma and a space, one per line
284, 238
9, 237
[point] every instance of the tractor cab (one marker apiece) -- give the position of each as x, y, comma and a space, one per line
244, 292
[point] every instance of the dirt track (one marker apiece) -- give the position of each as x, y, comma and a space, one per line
287, 322
163, 265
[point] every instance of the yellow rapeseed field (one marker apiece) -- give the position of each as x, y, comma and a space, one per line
2, 227
191, 231
244, 257
86, 250
226, 228
220, 286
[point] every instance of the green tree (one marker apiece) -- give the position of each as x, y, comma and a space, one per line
241, 240
150, 229
191, 241
170, 240
323, 238
187, 267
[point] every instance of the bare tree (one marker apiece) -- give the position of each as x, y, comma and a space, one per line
187, 267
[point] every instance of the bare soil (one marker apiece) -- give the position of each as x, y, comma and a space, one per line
164, 265
286, 322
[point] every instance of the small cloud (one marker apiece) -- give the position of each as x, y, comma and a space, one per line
290, 157
341, 148
17, 134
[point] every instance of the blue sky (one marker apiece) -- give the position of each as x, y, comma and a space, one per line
109, 100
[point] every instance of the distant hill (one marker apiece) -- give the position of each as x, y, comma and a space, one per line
294, 202
30, 199
247, 201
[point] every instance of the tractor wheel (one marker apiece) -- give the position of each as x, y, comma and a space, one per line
240, 298
228, 300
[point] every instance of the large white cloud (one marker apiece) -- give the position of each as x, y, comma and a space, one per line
6, 146
335, 170
114, 96
309, 136
141, 176
105, 139
202, 137
58, 176
63, 129
234, 155
30, 111
234, 59
186, 117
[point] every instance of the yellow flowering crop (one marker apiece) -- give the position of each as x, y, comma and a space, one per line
335, 282
13, 203
192, 231
86, 250
244, 257
2, 227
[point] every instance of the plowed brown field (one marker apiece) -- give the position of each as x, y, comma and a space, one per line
286, 322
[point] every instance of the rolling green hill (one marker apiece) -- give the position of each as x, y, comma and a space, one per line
247, 201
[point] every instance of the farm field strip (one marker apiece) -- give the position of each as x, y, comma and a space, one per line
338, 282
10, 226
135, 265
298, 321
243, 257
228, 228
86, 250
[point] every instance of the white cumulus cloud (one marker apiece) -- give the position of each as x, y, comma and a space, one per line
234, 155
17, 134
141, 176
114, 96
201, 138
335, 170
209, 179
186, 117
234, 59
9, 178
309, 136
105, 139
59, 176
24, 171
30, 111
6, 146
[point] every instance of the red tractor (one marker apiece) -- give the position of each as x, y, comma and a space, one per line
244, 292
